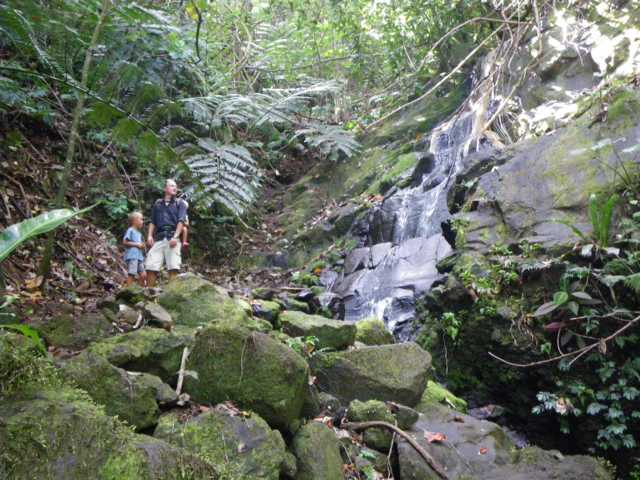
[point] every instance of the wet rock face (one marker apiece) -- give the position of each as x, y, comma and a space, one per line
481, 449
543, 181
383, 281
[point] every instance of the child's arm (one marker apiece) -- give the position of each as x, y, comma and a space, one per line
128, 243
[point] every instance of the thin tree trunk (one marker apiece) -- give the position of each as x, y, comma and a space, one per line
45, 266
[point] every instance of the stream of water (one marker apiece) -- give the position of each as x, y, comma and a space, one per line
384, 278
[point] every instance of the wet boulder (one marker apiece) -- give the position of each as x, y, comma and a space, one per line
373, 332
481, 449
133, 397
193, 301
335, 334
83, 442
157, 315
252, 369
317, 449
150, 350
396, 373
245, 446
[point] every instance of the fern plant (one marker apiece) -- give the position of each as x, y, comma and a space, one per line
601, 214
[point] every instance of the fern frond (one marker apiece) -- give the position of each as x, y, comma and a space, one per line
332, 141
227, 173
633, 282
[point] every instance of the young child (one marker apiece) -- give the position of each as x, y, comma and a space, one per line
134, 255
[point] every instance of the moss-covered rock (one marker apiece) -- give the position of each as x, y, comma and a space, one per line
385, 372
62, 434
335, 334
437, 394
376, 438
72, 331
249, 368
268, 310
240, 447
150, 350
194, 301
478, 449
373, 332
132, 397
317, 449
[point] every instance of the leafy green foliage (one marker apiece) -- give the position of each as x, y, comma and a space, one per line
601, 214
305, 346
15, 235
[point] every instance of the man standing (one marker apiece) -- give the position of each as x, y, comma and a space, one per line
168, 217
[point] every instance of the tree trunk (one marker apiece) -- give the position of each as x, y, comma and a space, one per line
45, 266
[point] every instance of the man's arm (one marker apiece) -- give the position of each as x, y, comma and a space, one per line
174, 241
152, 231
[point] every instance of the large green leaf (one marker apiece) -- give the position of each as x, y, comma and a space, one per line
14, 235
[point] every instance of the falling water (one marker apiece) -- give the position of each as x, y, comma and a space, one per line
398, 264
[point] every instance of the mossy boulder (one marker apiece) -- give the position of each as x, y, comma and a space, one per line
194, 301
437, 394
396, 373
149, 350
240, 447
250, 368
373, 332
133, 397
376, 438
335, 334
317, 449
478, 449
268, 310
62, 434
69, 330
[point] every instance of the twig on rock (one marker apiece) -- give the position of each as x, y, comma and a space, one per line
181, 372
435, 466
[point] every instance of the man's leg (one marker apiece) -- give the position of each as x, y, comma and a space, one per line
153, 262
173, 260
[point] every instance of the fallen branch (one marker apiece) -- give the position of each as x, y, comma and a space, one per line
600, 343
182, 371
435, 466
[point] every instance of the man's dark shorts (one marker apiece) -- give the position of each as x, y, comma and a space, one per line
135, 267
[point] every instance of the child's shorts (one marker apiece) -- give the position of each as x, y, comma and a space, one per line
134, 267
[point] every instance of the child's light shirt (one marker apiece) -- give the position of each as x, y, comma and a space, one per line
133, 253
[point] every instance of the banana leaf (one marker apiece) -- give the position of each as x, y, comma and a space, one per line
14, 235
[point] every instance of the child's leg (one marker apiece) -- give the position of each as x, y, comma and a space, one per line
132, 271
142, 274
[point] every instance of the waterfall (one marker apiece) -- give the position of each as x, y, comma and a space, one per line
384, 278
